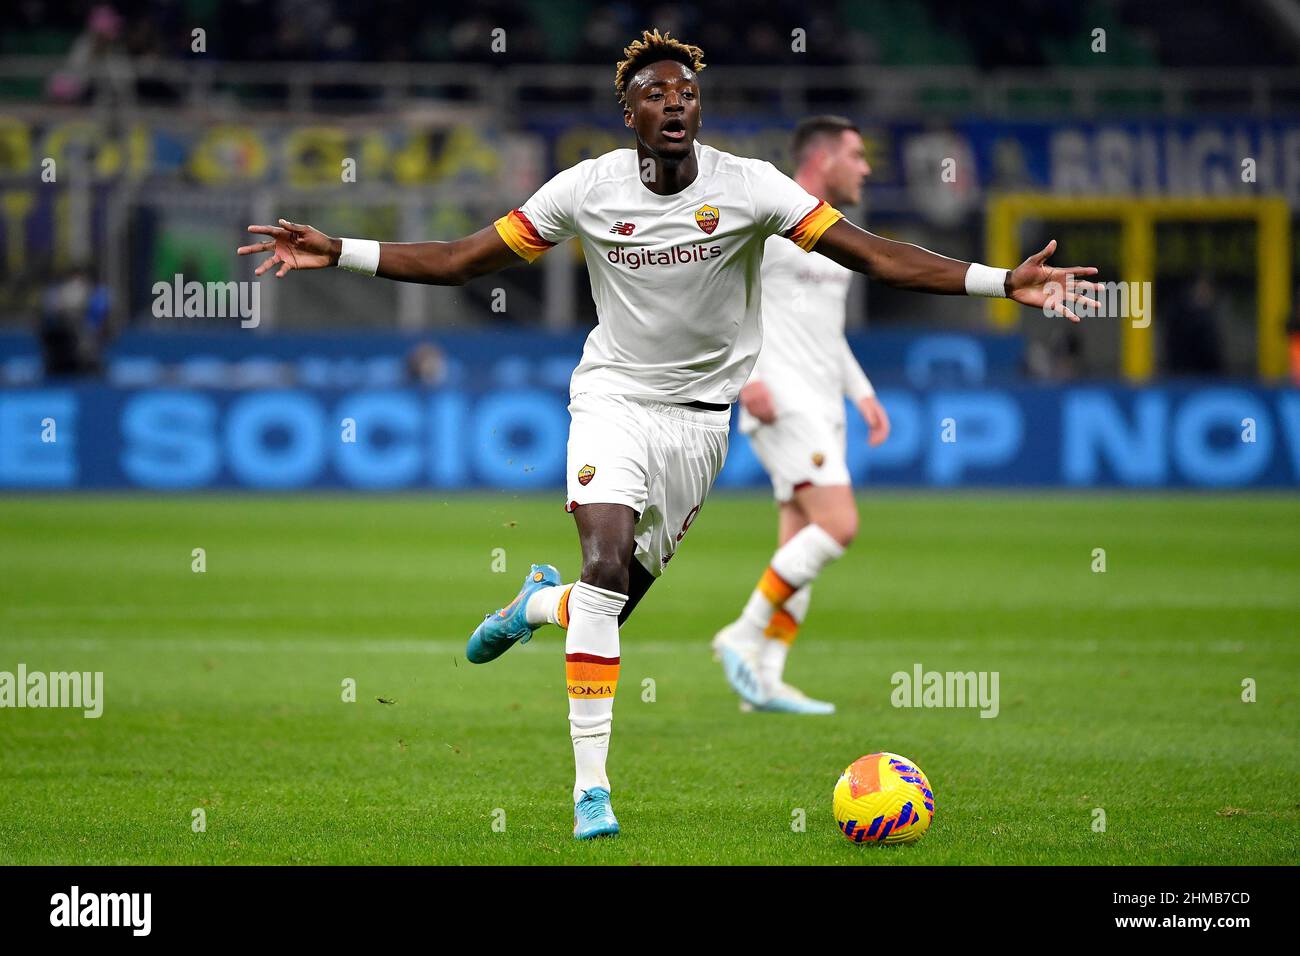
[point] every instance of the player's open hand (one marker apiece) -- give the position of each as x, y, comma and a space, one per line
292, 247
873, 413
757, 400
1036, 283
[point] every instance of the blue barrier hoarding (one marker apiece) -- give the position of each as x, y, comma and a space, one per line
102, 437
505, 356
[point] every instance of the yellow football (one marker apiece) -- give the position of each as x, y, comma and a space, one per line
883, 798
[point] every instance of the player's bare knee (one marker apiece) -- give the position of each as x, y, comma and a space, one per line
842, 527
848, 530
608, 573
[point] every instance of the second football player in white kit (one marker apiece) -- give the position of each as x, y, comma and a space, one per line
793, 413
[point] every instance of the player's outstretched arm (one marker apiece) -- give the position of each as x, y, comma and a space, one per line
906, 266
293, 246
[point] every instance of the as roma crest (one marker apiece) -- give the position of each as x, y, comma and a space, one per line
585, 474
706, 217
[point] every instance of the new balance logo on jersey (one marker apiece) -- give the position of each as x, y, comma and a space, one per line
622, 228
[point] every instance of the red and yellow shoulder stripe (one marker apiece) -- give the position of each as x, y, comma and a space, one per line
810, 228
521, 235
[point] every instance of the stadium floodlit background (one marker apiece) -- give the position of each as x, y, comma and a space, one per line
1158, 140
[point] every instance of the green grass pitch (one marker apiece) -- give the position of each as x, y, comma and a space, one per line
1119, 690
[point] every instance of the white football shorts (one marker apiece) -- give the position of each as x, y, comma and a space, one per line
799, 448
658, 459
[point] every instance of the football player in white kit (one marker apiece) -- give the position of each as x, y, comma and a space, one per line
792, 409
673, 233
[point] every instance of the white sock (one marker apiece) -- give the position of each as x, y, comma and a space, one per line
796, 563
780, 636
589, 755
547, 606
591, 663
771, 663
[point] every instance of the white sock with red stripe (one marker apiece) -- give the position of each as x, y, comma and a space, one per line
591, 664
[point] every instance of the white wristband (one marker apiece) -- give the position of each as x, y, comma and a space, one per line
980, 280
362, 255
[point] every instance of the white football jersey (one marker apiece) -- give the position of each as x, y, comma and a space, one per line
805, 361
675, 279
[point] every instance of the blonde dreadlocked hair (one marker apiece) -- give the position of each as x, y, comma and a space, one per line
651, 48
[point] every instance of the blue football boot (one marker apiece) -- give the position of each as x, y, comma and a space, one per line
509, 626
784, 699
593, 816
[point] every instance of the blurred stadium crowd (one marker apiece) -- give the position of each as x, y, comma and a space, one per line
992, 33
